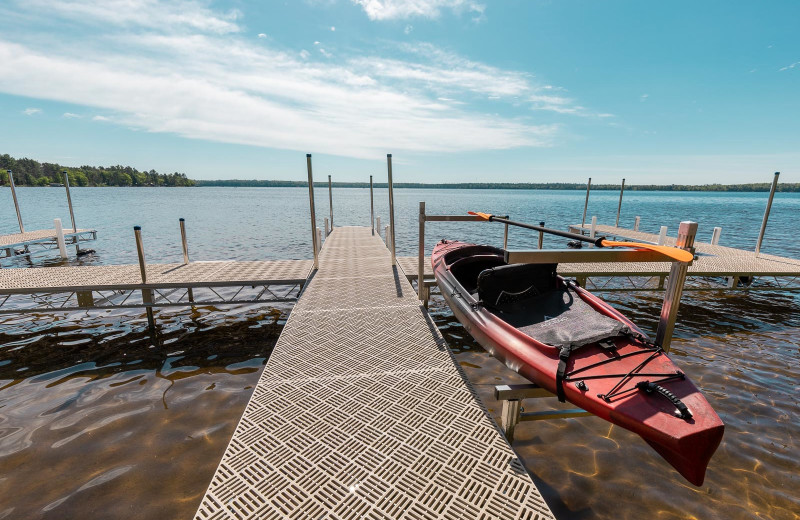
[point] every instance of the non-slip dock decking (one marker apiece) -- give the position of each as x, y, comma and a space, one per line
362, 413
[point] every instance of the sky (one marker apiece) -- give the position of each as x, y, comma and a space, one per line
679, 92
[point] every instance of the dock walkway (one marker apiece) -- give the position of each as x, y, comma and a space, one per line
362, 413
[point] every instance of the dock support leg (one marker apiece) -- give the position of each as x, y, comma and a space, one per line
391, 207
510, 418
85, 299
371, 207
662, 236
715, 236
313, 212
62, 244
766, 213
421, 289
636, 223
593, 231
677, 277
586, 204
619, 207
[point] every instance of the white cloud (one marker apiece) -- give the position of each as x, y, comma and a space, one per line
225, 88
152, 14
408, 29
325, 53
333, 29
70, 115
644, 97
32, 111
262, 35
788, 67
404, 9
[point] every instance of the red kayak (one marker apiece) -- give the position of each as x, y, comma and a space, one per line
575, 345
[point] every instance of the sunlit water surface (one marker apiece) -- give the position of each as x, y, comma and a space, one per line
96, 420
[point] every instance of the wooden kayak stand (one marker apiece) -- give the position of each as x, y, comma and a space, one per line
512, 412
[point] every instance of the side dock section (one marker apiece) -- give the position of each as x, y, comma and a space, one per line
362, 412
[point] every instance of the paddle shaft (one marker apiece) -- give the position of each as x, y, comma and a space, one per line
598, 242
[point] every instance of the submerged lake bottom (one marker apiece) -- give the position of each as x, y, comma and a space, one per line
96, 419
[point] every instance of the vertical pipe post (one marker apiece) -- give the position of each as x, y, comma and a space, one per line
16, 203
421, 258
378, 225
388, 240
313, 213
69, 201
147, 294
505, 237
330, 199
766, 212
391, 207
325, 227
62, 244
619, 207
71, 213
715, 236
593, 230
662, 236
371, 207
674, 289
586, 204
319, 240
185, 246
541, 236
510, 418
636, 223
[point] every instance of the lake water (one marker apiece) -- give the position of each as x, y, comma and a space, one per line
95, 420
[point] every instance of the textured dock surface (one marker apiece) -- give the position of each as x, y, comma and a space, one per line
194, 274
362, 413
42, 235
714, 260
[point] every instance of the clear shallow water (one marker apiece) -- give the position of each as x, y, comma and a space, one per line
94, 419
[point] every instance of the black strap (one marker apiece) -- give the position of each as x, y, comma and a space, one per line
563, 357
683, 411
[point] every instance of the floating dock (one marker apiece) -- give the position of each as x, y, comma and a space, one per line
362, 413
41, 241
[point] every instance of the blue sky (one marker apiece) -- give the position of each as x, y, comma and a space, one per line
458, 90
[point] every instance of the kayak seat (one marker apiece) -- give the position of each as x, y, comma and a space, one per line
467, 269
504, 287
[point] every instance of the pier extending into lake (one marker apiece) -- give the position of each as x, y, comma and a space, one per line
362, 412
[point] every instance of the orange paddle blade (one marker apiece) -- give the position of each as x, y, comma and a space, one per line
484, 216
678, 254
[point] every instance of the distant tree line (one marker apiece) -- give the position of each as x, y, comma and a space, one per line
28, 172
759, 186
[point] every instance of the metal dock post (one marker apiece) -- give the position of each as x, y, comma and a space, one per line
313, 214
636, 223
586, 204
330, 199
715, 236
421, 258
371, 207
16, 203
325, 228
766, 212
71, 213
147, 294
391, 207
541, 235
378, 225
505, 237
62, 244
677, 277
185, 246
619, 207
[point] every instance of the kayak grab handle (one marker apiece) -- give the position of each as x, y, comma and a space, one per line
683, 412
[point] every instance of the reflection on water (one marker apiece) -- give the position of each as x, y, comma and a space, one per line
742, 351
94, 418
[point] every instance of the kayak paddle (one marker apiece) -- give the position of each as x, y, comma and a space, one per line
675, 253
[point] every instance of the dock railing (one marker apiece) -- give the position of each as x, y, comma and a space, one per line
422, 289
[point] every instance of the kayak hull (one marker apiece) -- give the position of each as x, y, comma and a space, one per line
687, 444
